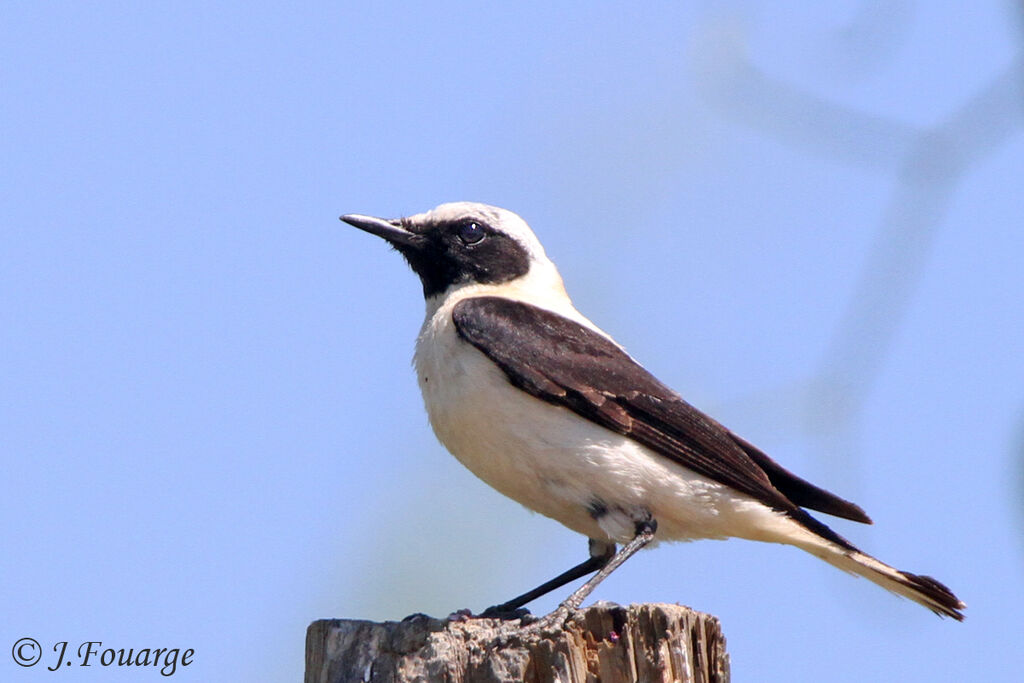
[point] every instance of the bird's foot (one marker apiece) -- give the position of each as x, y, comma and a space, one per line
460, 615
417, 616
555, 621
505, 613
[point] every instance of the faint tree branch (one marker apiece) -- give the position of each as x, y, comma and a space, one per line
930, 163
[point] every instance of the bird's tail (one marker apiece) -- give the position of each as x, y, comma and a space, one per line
923, 590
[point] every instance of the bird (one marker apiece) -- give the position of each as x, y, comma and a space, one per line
548, 409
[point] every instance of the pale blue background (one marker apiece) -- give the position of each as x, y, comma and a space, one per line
806, 219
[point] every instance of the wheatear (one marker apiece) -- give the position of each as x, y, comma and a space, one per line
545, 407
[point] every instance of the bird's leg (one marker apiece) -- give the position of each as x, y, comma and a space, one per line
644, 535
601, 553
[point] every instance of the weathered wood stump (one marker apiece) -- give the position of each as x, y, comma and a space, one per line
604, 643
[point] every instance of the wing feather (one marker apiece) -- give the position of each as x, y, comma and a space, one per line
567, 364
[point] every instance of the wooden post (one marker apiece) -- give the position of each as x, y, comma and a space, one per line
605, 643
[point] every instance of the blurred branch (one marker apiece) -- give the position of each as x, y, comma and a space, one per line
870, 39
740, 90
930, 163
938, 160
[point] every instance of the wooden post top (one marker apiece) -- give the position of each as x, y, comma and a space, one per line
604, 643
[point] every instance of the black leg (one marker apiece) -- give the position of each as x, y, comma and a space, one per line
644, 535
601, 553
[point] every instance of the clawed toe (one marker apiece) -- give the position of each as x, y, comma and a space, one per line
505, 613
553, 621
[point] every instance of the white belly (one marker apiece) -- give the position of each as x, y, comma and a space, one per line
559, 464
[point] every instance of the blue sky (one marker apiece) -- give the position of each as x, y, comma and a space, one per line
808, 220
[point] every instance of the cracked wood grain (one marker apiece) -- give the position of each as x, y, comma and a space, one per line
605, 643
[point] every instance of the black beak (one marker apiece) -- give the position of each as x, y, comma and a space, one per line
392, 231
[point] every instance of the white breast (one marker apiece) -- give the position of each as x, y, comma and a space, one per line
555, 462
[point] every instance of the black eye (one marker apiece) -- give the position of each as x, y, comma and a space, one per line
470, 232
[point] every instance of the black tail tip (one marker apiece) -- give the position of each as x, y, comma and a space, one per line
941, 600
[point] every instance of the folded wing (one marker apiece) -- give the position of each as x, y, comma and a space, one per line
567, 364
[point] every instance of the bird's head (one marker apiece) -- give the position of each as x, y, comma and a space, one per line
463, 244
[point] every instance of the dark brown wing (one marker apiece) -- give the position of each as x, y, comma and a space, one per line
800, 491
566, 364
